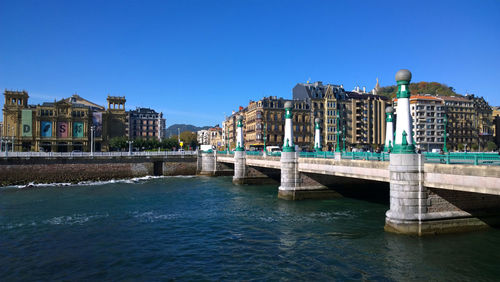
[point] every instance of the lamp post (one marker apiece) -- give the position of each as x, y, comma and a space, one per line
130, 142
337, 144
92, 128
445, 120
343, 138
265, 138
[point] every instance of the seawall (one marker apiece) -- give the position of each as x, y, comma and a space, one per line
22, 171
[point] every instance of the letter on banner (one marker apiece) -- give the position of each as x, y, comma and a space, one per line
27, 123
62, 129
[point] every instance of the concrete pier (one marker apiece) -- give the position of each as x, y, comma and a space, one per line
208, 163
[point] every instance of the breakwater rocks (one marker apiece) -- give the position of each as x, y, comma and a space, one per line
22, 171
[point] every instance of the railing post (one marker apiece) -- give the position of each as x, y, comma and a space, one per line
448, 159
475, 160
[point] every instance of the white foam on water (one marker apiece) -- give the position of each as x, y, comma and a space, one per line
73, 219
96, 183
152, 216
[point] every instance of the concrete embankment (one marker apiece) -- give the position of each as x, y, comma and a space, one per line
22, 171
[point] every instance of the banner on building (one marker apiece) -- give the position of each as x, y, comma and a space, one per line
27, 123
97, 122
62, 129
46, 129
78, 129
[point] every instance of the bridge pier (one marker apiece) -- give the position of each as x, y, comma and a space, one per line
239, 167
299, 186
207, 163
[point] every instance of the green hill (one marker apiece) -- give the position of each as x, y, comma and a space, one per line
433, 88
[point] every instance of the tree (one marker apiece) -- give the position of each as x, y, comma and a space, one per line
491, 146
460, 147
474, 147
118, 143
188, 138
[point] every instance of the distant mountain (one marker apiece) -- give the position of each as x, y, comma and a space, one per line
173, 129
433, 88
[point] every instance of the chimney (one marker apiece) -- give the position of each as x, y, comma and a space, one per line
364, 89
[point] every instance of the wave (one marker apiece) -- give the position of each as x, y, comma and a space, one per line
95, 183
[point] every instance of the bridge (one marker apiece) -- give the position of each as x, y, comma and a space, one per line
428, 193
454, 193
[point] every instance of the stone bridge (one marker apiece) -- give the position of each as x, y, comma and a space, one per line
447, 197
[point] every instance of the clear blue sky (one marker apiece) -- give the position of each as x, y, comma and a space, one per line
198, 60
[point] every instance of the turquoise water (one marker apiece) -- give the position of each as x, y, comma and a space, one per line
196, 228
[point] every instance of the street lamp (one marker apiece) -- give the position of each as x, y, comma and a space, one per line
265, 138
445, 120
92, 128
343, 138
337, 145
130, 142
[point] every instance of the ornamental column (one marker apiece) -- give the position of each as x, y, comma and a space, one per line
389, 129
317, 136
290, 178
407, 199
239, 154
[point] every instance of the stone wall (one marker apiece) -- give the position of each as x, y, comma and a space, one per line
22, 171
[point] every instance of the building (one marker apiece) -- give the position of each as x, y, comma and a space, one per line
360, 114
482, 124
70, 124
202, 137
427, 114
265, 118
215, 137
145, 123
496, 124
469, 122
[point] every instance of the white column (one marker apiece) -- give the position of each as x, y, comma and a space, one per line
389, 130
288, 145
404, 124
240, 146
317, 135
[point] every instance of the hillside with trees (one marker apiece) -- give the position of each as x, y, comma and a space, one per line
433, 88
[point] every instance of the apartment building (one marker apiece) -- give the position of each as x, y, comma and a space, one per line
427, 113
145, 123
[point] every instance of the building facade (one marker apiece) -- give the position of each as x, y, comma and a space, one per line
356, 116
427, 114
145, 123
72, 124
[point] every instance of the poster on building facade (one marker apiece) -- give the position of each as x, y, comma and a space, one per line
78, 129
46, 129
27, 123
97, 122
62, 129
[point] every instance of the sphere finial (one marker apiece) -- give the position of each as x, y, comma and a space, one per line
389, 110
316, 120
404, 75
239, 118
288, 105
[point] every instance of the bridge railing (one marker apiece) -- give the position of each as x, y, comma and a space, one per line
225, 152
368, 156
322, 155
95, 154
463, 158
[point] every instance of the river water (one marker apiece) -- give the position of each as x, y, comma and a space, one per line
197, 228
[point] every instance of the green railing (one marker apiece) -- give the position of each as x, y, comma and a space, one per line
367, 156
451, 158
274, 154
254, 153
323, 155
463, 158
